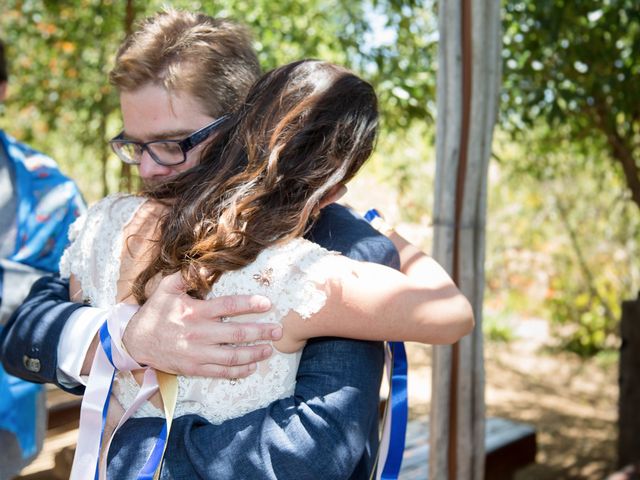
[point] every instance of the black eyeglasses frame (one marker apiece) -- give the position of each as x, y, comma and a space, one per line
186, 144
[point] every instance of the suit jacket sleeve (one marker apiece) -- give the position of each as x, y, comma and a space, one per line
29, 341
328, 429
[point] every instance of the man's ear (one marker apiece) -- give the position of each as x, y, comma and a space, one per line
3, 91
333, 195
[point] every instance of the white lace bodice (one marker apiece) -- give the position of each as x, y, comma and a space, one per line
288, 274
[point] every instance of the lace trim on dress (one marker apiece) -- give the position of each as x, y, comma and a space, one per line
93, 255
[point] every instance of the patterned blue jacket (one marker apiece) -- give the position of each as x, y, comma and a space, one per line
47, 204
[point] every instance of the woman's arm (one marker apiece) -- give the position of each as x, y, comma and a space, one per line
373, 302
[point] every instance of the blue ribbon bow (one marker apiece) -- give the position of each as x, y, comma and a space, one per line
397, 397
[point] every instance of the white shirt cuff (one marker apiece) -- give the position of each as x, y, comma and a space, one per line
75, 340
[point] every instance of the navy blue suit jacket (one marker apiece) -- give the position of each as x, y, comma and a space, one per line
327, 430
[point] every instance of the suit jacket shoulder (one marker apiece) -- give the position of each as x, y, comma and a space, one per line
344, 231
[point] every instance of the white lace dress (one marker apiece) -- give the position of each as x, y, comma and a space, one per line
288, 274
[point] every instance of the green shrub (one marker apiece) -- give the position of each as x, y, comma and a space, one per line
497, 328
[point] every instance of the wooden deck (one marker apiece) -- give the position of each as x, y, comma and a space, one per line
509, 446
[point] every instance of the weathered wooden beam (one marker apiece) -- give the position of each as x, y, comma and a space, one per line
629, 420
467, 99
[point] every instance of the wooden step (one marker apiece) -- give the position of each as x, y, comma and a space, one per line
63, 407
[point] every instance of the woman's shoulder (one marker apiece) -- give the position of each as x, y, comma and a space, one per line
112, 212
98, 227
117, 203
294, 252
292, 274
278, 267
296, 262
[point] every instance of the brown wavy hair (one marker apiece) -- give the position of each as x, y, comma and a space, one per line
304, 129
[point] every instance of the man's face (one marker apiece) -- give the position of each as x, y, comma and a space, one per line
152, 113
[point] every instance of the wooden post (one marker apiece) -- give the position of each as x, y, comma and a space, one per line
467, 101
629, 420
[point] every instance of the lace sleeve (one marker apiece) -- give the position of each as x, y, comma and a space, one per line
93, 256
72, 250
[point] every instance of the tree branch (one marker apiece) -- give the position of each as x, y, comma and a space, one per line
620, 150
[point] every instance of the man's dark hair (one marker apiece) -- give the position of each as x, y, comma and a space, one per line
4, 75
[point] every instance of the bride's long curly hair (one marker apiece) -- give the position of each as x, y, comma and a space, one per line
304, 129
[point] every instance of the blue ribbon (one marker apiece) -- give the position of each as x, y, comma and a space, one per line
150, 467
399, 411
105, 343
371, 214
397, 396
155, 457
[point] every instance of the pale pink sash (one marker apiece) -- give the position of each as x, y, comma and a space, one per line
98, 391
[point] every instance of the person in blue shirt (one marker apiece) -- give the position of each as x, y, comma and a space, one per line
37, 205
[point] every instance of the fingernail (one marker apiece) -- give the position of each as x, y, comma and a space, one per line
263, 303
266, 351
253, 367
276, 333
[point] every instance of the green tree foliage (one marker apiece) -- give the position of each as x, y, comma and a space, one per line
575, 66
62, 51
562, 242
391, 43
59, 55
571, 94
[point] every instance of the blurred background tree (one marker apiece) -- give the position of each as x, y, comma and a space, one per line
565, 186
571, 94
574, 66
62, 51
59, 55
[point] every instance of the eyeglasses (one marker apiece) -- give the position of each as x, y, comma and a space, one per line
164, 152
